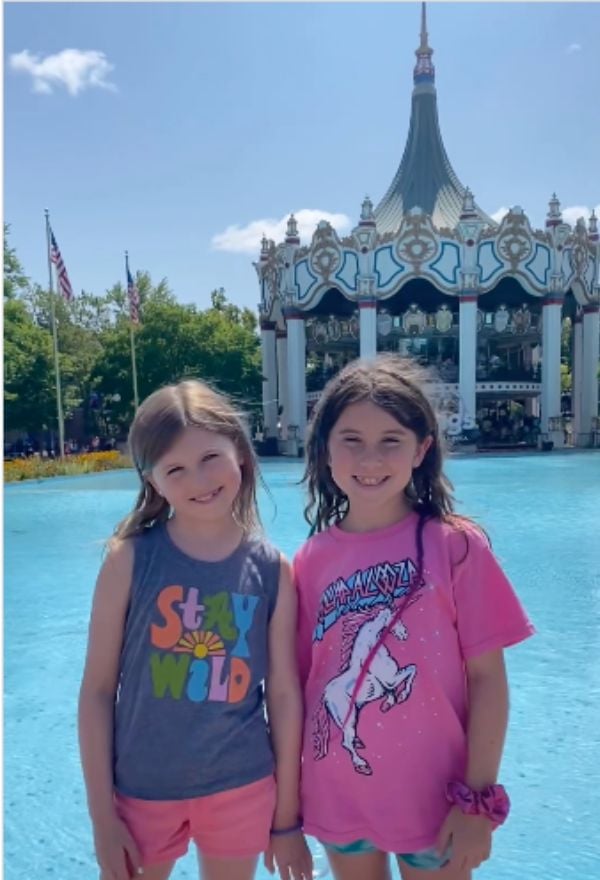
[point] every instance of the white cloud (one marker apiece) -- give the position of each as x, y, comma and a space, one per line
574, 212
499, 214
74, 69
572, 48
246, 239
570, 214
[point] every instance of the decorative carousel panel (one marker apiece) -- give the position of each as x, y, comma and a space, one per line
488, 262
418, 243
591, 274
304, 280
579, 258
323, 331
348, 271
539, 265
325, 253
387, 267
565, 265
502, 322
521, 319
414, 320
448, 263
514, 243
443, 319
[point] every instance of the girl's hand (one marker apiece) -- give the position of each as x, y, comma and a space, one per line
290, 855
470, 838
116, 851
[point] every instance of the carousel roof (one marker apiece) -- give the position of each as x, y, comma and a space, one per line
425, 178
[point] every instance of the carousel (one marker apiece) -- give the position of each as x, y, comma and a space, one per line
505, 317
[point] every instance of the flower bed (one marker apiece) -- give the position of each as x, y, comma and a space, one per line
36, 468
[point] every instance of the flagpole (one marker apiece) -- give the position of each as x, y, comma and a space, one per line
59, 407
136, 400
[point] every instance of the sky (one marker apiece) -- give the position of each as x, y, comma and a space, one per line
182, 131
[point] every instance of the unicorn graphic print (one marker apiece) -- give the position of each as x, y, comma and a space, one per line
369, 673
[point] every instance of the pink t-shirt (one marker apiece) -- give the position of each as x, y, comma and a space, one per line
405, 731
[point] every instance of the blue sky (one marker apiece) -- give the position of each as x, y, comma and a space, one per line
181, 131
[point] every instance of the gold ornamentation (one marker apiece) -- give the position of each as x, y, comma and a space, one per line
325, 258
417, 242
514, 238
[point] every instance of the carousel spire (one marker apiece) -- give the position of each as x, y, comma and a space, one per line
424, 69
291, 235
366, 212
554, 215
425, 178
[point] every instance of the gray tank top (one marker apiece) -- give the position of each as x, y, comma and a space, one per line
189, 712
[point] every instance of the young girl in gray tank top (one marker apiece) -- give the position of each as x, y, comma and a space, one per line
192, 638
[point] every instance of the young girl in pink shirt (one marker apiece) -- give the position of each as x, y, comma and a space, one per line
404, 613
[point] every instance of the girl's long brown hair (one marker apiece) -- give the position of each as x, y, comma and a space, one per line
396, 385
158, 423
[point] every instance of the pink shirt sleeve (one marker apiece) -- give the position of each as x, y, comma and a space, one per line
489, 613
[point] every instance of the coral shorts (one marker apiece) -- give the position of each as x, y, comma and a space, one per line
229, 824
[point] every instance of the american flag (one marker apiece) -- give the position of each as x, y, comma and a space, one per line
134, 298
61, 270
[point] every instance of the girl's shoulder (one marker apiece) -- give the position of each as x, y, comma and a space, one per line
313, 547
260, 548
462, 535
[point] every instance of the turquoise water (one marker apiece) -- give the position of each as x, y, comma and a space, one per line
542, 513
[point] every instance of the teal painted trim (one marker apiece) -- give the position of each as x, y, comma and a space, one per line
454, 279
297, 283
347, 256
539, 247
500, 265
401, 267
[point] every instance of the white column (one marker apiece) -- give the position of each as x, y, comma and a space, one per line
467, 358
269, 372
589, 377
296, 349
282, 380
368, 328
576, 376
551, 331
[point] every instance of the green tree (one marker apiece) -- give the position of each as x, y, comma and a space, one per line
177, 341
29, 390
15, 280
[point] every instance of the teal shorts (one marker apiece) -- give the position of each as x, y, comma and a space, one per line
427, 859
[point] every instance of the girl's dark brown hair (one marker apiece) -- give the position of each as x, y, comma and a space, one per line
398, 386
158, 423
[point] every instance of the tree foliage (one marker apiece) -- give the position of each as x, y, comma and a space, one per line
172, 341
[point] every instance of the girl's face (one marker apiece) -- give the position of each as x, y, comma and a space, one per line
372, 457
200, 475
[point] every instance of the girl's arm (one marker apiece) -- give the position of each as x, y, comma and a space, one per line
284, 701
288, 852
487, 688
114, 847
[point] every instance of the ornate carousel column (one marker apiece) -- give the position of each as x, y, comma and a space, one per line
282, 380
269, 372
296, 362
365, 235
368, 327
467, 357
551, 333
589, 378
469, 229
577, 375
